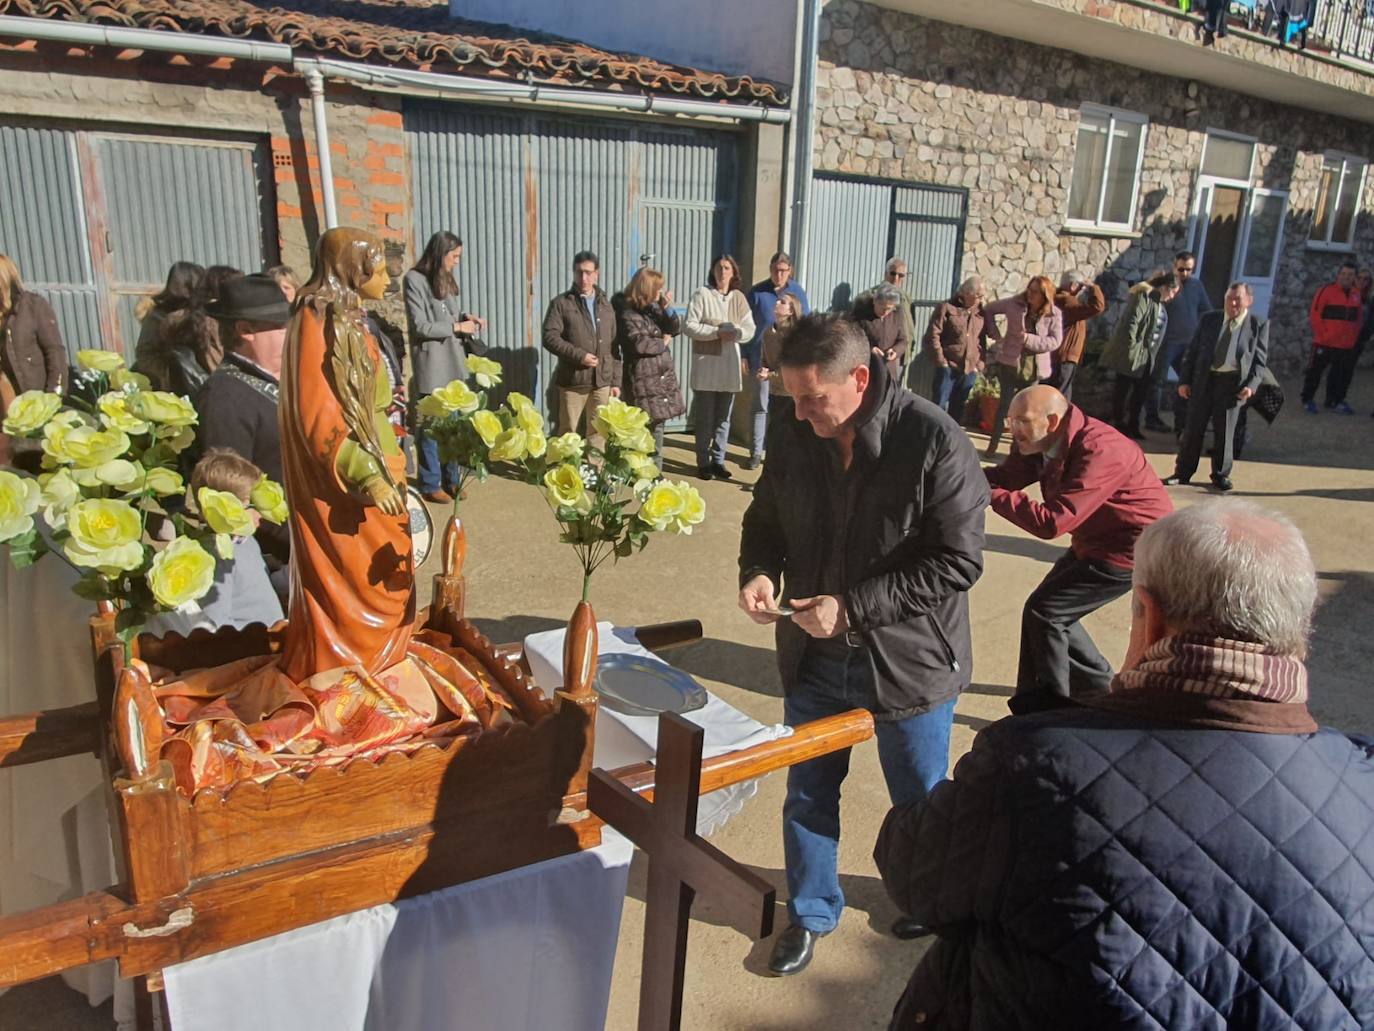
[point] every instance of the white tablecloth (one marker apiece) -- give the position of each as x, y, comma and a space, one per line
527, 949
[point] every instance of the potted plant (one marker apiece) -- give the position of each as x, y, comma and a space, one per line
988, 393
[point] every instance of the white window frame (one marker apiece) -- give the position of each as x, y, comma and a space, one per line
1235, 137
1345, 159
1113, 115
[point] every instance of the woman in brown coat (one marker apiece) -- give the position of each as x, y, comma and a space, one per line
648, 377
31, 353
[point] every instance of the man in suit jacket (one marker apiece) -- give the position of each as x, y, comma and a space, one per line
1221, 371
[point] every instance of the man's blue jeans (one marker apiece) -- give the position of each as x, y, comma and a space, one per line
914, 753
759, 411
949, 390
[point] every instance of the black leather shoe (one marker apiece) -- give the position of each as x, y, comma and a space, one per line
1222, 483
719, 471
704, 472
906, 928
754, 462
792, 951
1175, 481
1156, 426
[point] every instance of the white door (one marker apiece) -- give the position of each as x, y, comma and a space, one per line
1262, 243
1218, 232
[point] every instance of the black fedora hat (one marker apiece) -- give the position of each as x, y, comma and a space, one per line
255, 298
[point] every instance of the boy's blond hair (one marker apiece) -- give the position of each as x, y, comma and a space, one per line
225, 469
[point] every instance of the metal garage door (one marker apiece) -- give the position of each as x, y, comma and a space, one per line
858, 223
526, 192
95, 219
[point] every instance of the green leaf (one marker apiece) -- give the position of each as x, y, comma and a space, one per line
128, 622
93, 587
27, 549
624, 548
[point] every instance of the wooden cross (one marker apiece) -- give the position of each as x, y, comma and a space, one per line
681, 864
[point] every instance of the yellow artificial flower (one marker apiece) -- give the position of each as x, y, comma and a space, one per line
536, 443
179, 441
269, 499
118, 472
517, 401
693, 509
117, 414
121, 378
564, 487
97, 360
456, 396
619, 422
528, 419
19, 500
486, 372
487, 425
642, 466
31, 411
165, 482
662, 505
224, 513
181, 573
168, 410
567, 447
60, 492
640, 440
105, 535
85, 446
510, 445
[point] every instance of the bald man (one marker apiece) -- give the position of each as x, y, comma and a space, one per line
1098, 489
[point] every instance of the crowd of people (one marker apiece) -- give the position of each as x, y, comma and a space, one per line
1116, 817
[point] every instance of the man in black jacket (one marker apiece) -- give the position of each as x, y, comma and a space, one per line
868, 520
238, 404
1221, 371
1188, 850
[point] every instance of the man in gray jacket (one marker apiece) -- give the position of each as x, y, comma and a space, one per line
868, 520
579, 328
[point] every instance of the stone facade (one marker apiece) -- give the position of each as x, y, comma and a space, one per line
907, 98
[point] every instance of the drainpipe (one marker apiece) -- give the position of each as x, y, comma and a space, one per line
405, 80
81, 34
315, 80
804, 131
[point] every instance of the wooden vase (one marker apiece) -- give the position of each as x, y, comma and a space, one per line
450, 589
579, 652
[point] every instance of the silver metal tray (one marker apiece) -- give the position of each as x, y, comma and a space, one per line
635, 686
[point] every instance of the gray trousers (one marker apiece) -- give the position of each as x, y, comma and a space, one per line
712, 417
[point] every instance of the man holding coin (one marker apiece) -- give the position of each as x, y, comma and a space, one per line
863, 537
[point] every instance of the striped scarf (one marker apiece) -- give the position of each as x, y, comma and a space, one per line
1219, 668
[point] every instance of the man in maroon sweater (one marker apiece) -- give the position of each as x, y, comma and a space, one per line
1098, 488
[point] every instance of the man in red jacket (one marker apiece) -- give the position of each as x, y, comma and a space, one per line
1336, 315
1098, 488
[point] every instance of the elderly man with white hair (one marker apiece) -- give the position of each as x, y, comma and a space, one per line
1187, 850
954, 344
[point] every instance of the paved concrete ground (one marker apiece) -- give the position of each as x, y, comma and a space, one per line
1318, 470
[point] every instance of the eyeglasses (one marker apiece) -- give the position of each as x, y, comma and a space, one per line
899, 275
1185, 270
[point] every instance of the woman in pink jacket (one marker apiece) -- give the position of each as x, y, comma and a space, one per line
1019, 356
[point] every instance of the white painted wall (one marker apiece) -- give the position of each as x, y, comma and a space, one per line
737, 37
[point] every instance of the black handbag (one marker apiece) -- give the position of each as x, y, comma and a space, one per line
1268, 401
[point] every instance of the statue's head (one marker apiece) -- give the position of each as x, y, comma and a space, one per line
350, 264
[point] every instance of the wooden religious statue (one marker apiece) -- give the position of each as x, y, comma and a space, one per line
352, 577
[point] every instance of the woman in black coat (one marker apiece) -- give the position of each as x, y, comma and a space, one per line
643, 324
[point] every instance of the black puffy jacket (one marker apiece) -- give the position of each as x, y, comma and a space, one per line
914, 542
1095, 867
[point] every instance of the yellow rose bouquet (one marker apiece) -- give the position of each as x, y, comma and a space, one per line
109, 476
608, 501
465, 431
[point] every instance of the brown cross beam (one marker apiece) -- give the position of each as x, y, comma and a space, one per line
681, 865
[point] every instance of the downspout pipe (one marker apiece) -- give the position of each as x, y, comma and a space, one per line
804, 130
315, 80
489, 89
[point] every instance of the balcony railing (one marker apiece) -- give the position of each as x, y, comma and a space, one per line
1345, 28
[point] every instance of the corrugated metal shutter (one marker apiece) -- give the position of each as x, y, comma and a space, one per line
42, 227
155, 201
527, 192
849, 228
857, 224
168, 201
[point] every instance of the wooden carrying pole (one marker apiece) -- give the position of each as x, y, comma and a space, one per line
150, 934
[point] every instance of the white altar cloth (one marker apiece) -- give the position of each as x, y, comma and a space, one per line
526, 950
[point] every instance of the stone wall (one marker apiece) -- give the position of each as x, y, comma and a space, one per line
908, 98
